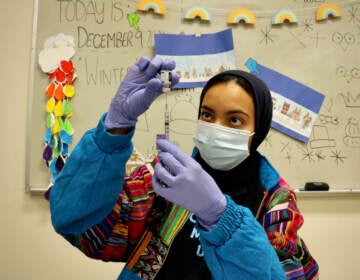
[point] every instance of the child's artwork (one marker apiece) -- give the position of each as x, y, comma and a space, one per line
197, 57
295, 106
55, 61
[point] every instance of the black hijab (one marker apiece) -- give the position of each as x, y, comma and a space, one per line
242, 182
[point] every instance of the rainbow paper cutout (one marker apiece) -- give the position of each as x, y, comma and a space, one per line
283, 16
197, 11
241, 15
156, 5
326, 10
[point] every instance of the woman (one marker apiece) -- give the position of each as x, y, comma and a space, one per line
223, 213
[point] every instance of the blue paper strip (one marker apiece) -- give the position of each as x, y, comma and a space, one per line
296, 106
180, 44
197, 58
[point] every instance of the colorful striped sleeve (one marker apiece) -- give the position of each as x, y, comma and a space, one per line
282, 221
117, 235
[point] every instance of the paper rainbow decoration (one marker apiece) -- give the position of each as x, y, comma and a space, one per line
284, 15
197, 11
326, 10
241, 15
156, 5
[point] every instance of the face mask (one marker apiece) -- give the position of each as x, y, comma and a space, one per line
221, 147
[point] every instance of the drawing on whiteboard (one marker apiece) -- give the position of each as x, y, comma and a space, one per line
337, 157
143, 123
266, 36
183, 114
344, 40
307, 154
351, 101
328, 104
348, 74
307, 24
320, 138
326, 119
296, 37
319, 155
352, 133
288, 157
353, 15
317, 38
285, 146
310, 156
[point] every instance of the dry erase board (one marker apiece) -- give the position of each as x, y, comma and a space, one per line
323, 55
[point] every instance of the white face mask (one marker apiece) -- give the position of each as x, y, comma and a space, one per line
221, 147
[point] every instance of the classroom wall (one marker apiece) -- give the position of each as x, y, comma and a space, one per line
30, 249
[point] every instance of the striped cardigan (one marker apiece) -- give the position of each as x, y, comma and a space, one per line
141, 227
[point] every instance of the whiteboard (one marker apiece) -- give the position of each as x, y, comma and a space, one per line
322, 55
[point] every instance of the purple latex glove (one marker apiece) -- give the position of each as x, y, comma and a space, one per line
188, 185
137, 91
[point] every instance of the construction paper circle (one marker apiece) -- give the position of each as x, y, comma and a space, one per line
69, 91
66, 66
60, 76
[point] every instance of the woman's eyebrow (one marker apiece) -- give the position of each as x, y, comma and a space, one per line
242, 112
207, 108
238, 112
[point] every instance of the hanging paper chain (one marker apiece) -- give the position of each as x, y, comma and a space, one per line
58, 113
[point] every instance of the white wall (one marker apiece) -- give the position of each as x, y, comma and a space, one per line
30, 249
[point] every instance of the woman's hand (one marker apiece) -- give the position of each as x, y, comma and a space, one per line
187, 184
137, 91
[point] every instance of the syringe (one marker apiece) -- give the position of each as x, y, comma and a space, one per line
166, 120
165, 77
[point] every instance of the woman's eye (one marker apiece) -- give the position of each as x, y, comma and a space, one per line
205, 116
236, 122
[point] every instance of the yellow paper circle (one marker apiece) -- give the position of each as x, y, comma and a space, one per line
69, 91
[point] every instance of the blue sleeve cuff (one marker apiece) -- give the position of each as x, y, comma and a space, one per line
229, 223
109, 142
